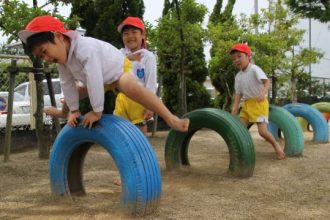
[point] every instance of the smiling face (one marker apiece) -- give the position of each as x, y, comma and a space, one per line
240, 60
56, 52
132, 38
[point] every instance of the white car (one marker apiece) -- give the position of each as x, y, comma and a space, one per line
21, 106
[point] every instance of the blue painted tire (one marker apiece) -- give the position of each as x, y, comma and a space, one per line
314, 118
237, 137
130, 150
280, 118
321, 106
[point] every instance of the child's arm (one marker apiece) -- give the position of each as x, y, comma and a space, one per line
262, 94
150, 70
237, 99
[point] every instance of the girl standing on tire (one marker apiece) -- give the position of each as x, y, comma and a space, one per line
251, 85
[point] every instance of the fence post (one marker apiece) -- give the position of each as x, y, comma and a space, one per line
159, 94
44, 148
13, 70
52, 96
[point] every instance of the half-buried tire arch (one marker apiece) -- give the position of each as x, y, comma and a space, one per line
314, 118
323, 107
282, 119
130, 150
237, 137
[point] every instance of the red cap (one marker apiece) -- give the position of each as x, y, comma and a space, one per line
135, 22
242, 48
39, 24
132, 21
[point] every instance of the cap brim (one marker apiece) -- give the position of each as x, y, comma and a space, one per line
25, 34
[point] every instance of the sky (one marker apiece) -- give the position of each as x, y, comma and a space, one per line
320, 32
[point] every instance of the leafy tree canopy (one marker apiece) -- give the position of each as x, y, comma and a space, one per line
317, 9
100, 18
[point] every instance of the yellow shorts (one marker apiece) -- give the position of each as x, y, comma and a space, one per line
126, 69
129, 109
255, 111
126, 107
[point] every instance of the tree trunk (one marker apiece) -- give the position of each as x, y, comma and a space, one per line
274, 88
43, 145
293, 89
183, 91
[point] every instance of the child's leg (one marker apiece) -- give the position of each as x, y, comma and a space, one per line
245, 122
64, 112
263, 132
129, 86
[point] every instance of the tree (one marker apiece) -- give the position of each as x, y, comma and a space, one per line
181, 57
15, 14
223, 33
317, 9
272, 49
100, 18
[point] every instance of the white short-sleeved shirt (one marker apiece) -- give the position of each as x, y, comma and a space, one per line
248, 83
145, 70
92, 62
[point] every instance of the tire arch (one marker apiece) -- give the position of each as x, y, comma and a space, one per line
282, 119
239, 142
313, 117
323, 107
131, 152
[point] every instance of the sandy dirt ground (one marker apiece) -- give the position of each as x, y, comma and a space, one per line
295, 188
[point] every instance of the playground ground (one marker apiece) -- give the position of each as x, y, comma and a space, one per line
295, 188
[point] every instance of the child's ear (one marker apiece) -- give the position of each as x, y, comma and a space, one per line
58, 35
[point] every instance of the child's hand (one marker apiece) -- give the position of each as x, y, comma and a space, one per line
260, 97
90, 118
148, 114
72, 119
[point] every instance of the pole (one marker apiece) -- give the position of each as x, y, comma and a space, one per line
310, 48
256, 11
12, 73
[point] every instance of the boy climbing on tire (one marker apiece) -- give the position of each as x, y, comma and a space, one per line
97, 64
251, 86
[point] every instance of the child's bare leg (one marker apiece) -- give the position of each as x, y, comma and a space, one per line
52, 111
144, 129
128, 85
263, 131
245, 122
117, 182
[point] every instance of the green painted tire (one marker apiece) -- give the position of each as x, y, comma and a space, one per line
287, 123
237, 137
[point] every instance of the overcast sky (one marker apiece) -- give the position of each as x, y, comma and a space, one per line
320, 32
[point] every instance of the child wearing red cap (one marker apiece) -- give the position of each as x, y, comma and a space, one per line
251, 86
144, 70
97, 64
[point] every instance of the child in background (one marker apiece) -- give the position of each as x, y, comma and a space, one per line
251, 85
144, 70
97, 64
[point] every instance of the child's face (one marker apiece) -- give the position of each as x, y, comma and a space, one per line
53, 52
132, 38
240, 60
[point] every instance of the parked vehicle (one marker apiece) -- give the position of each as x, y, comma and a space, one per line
22, 108
3, 101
